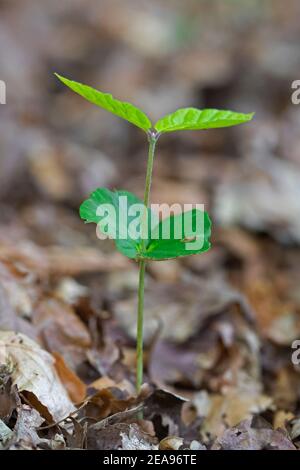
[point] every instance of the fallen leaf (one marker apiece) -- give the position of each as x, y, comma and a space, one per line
72, 383
6, 435
34, 374
108, 401
25, 430
9, 399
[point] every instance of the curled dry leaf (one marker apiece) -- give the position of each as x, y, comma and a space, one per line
72, 383
165, 408
32, 370
110, 397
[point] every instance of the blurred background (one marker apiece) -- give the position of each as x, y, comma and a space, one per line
220, 323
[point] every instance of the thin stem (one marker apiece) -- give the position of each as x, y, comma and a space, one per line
152, 143
142, 266
140, 324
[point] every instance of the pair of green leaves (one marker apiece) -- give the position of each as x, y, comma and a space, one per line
154, 245
182, 119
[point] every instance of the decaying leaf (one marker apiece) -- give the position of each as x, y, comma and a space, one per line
32, 370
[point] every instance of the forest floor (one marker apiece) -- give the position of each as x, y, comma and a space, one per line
219, 327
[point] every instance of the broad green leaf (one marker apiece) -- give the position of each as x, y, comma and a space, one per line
193, 119
119, 214
106, 101
194, 228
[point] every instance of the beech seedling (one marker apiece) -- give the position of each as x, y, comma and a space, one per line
149, 241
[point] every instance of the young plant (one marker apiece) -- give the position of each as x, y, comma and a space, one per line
150, 244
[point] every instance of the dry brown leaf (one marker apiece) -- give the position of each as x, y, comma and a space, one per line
108, 401
72, 383
106, 382
32, 370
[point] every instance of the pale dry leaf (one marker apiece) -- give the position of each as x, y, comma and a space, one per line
33, 372
6, 434
26, 427
136, 439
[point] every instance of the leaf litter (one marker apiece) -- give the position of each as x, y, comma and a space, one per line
218, 327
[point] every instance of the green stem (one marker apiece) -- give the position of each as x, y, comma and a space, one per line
140, 324
152, 142
142, 266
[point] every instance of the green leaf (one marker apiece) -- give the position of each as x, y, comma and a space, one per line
106, 101
193, 119
117, 222
120, 216
195, 228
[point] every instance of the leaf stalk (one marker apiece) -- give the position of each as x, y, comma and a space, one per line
152, 139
